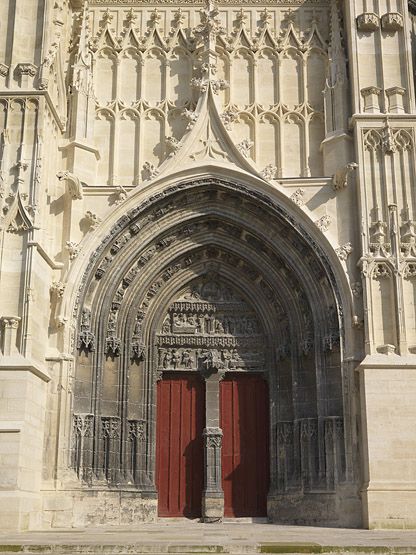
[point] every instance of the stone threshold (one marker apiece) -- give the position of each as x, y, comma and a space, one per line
156, 548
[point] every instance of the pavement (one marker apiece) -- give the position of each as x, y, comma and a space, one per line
184, 536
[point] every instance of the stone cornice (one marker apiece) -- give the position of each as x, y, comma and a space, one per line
21, 364
388, 362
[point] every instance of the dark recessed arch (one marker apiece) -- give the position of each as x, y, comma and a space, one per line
160, 248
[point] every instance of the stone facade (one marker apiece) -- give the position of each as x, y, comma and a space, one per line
190, 186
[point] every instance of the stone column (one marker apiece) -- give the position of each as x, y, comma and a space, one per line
213, 495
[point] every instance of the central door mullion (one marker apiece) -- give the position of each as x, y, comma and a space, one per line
213, 495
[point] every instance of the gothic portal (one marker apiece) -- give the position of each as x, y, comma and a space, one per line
188, 371
208, 262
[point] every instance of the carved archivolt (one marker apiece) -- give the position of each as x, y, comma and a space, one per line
169, 292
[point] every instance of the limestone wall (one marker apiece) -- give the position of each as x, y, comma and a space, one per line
106, 103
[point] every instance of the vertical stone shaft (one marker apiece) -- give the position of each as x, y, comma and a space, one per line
213, 495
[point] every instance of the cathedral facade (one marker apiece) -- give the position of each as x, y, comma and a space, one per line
207, 262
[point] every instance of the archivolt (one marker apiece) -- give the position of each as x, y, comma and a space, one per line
154, 251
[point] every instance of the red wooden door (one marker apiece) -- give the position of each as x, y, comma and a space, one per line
245, 449
180, 455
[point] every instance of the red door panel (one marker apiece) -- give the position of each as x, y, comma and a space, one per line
244, 407
180, 456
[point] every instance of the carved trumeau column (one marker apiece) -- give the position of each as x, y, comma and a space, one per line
213, 495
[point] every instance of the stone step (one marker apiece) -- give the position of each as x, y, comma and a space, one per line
292, 548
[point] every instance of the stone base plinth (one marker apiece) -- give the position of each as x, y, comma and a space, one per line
212, 507
388, 417
336, 509
78, 509
388, 508
22, 416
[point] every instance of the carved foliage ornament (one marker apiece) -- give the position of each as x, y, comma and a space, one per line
344, 251
298, 197
323, 223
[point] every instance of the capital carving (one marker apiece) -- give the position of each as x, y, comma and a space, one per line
368, 22
83, 424
392, 22
213, 438
10, 325
110, 427
10, 322
371, 97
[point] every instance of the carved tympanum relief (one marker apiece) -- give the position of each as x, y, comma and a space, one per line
210, 326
